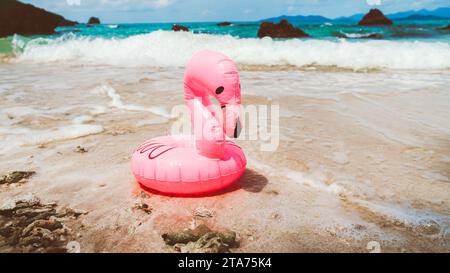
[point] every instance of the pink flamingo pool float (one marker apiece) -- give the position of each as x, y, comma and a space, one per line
207, 161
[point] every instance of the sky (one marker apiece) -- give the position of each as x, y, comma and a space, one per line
147, 11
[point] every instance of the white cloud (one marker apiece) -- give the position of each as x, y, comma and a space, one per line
207, 12
137, 3
162, 3
73, 2
373, 2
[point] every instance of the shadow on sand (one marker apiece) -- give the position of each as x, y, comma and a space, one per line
250, 181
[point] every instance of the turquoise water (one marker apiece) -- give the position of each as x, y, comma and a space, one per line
400, 30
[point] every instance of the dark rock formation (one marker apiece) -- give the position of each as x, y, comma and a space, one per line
444, 28
81, 150
176, 27
224, 24
201, 240
25, 19
281, 30
15, 176
93, 21
375, 18
28, 225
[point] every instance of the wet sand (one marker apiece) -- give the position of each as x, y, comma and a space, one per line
362, 157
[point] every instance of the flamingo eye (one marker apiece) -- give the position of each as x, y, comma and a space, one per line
219, 90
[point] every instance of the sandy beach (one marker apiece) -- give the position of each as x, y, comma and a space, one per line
363, 158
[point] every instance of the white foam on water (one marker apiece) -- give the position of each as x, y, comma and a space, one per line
348, 187
116, 101
12, 137
358, 35
152, 121
82, 119
19, 111
315, 179
98, 109
398, 123
63, 133
406, 216
163, 48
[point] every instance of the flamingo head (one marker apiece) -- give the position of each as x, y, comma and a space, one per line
227, 90
215, 75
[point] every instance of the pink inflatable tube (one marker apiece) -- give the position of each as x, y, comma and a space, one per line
205, 162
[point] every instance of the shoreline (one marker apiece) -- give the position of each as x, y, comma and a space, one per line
8, 59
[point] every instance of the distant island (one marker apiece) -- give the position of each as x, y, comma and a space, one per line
423, 14
421, 17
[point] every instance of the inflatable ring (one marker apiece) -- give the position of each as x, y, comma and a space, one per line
205, 161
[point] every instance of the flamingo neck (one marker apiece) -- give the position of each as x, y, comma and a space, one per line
208, 132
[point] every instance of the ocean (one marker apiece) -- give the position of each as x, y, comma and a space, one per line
362, 136
406, 45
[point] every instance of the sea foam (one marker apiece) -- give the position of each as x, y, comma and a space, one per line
166, 49
116, 101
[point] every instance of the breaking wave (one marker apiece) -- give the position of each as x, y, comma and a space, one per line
162, 48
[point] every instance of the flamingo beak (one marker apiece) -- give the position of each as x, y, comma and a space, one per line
232, 123
237, 129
